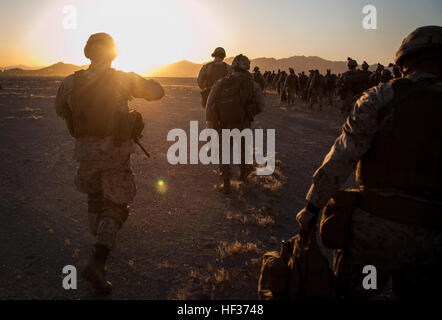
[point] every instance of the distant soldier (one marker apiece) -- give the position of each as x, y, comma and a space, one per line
386, 76
365, 78
375, 77
329, 86
303, 82
276, 82
232, 104
316, 89
94, 104
212, 72
351, 84
258, 77
291, 84
394, 222
269, 80
281, 88
396, 70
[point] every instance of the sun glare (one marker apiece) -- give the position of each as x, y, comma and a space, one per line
148, 33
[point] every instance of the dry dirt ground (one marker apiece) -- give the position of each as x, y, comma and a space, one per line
186, 240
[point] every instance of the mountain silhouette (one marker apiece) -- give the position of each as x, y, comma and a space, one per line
185, 68
57, 69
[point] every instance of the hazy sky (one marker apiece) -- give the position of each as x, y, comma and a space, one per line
151, 33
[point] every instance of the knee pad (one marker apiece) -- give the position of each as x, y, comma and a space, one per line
117, 212
107, 232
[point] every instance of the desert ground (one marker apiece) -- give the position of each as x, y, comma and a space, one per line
186, 240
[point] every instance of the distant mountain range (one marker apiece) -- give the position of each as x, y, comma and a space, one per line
186, 68
58, 69
20, 66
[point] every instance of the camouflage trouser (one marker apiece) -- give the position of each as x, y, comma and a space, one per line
110, 187
314, 96
291, 95
225, 169
411, 255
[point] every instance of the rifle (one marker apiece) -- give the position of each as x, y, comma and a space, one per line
141, 146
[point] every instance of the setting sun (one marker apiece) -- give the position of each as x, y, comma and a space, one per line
148, 33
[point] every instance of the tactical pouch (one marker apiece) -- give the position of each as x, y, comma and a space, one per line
131, 126
335, 220
274, 276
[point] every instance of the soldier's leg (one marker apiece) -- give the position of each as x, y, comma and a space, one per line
88, 181
225, 169
245, 168
370, 244
119, 189
95, 208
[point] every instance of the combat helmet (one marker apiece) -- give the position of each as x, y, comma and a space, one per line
241, 63
100, 46
428, 37
256, 69
365, 65
219, 52
351, 63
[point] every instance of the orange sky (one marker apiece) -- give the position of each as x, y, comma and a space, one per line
151, 33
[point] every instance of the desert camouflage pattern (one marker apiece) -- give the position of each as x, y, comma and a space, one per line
376, 241
355, 140
103, 167
400, 256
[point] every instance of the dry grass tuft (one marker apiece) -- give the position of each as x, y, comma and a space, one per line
221, 275
225, 249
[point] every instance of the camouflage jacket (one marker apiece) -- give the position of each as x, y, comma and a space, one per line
356, 137
132, 86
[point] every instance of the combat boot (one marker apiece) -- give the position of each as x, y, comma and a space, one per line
94, 272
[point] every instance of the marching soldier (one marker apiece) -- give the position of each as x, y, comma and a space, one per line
211, 72
232, 104
393, 138
94, 104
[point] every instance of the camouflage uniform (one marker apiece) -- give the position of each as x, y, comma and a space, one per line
374, 240
104, 172
203, 75
291, 84
212, 117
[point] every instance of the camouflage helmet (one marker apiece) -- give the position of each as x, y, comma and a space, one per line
241, 62
219, 52
365, 65
351, 63
422, 38
256, 68
100, 46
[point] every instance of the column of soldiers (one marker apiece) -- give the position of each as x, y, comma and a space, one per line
395, 146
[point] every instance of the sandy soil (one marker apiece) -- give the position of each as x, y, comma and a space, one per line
189, 242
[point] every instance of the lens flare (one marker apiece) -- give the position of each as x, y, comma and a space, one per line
161, 186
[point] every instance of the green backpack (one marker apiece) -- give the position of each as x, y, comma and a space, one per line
235, 94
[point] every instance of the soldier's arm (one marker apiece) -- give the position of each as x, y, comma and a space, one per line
355, 139
202, 81
142, 88
62, 107
211, 112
